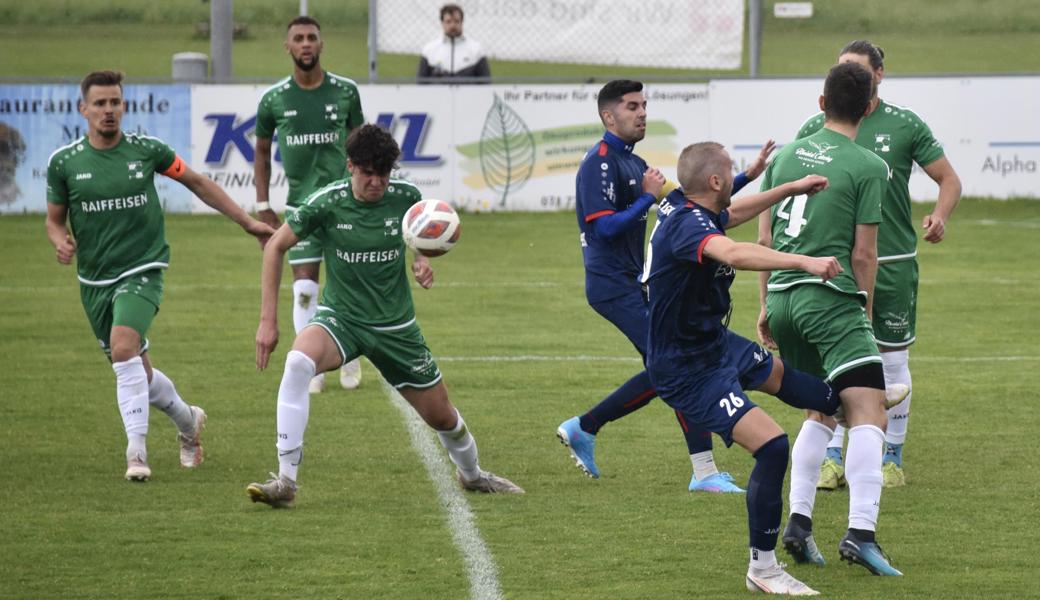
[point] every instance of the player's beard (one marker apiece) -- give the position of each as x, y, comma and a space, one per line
303, 66
109, 133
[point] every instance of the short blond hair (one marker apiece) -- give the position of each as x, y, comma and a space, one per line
700, 161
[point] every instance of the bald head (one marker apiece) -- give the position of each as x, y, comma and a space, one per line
698, 163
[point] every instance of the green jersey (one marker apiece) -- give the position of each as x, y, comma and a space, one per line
114, 211
312, 130
824, 224
900, 138
364, 251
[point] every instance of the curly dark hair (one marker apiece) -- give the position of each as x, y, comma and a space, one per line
372, 147
874, 54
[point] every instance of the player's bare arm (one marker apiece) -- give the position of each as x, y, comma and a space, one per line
422, 271
765, 239
744, 209
262, 180
270, 279
758, 165
215, 197
864, 261
753, 257
941, 171
58, 233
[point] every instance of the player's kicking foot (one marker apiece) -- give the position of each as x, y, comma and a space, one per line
191, 446
800, 544
137, 469
716, 483
278, 492
350, 375
832, 475
488, 483
581, 444
317, 384
775, 580
892, 475
868, 554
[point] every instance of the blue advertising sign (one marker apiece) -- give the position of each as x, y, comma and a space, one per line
35, 120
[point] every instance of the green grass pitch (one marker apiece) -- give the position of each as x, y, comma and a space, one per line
368, 522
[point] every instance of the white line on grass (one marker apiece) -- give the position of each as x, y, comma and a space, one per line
480, 565
586, 358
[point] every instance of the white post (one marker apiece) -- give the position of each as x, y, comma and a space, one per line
221, 28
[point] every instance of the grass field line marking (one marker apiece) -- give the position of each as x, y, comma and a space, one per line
586, 358
480, 565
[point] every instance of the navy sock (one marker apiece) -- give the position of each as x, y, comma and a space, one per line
802, 390
698, 439
765, 501
630, 397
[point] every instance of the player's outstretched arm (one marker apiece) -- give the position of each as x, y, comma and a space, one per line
211, 193
422, 271
941, 171
744, 209
765, 239
864, 261
262, 181
753, 257
58, 233
270, 279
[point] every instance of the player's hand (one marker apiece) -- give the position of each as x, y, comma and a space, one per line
765, 334
262, 231
269, 217
825, 268
422, 271
66, 250
810, 184
935, 229
653, 182
266, 341
759, 164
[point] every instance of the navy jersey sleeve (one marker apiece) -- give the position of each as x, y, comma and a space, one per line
691, 232
597, 185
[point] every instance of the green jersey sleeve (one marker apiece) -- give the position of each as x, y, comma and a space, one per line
868, 209
926, 149
57, 190
308, 218
265, 121
162, 154
811, 126
356, 117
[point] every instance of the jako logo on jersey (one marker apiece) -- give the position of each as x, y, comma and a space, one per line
81, 176
289, 113
231, 132
347, 226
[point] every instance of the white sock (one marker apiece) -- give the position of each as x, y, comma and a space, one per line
837, 438
294, 405
132, 396
863, 472
703, 464
305, 302
897, 370
462, 448
806, 456
163, 395
762, 559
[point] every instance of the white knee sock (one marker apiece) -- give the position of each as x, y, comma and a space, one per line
132, 395
305, 302
462, 449
163, 395
703, 464
863, 472
809, 449
897, 370
294, 405
837, 438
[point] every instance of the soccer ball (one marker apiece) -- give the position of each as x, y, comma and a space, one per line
431, 227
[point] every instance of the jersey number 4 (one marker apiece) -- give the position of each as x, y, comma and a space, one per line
793, 210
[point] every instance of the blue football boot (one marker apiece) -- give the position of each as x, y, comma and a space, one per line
718, 483
868, 554
581, 444
800, 544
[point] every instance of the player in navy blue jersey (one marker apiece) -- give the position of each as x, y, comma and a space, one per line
697, 365
615, 189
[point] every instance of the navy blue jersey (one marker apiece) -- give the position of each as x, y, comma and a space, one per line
688, 291
610, 179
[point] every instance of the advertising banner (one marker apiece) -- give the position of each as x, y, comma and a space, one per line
35, 120
657, 33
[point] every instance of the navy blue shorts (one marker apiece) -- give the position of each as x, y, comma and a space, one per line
630, 314
713, 397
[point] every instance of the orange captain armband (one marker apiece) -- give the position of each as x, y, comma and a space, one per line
175, 170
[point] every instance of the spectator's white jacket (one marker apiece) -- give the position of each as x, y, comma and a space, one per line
453, 57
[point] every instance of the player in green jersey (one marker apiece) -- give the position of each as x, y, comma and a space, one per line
313, 112
102, 185
901, 138
366, 308
823, 327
